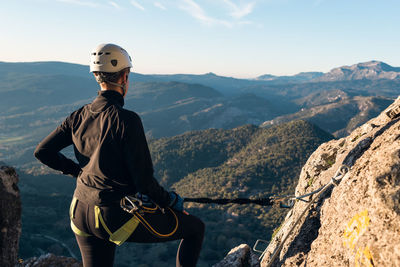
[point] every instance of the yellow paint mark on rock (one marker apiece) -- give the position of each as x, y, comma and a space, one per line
364, 258
355, 228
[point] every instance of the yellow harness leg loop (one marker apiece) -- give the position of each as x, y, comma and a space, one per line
96, 217
77, 231
72, 208
120, 235
97, 214
123, 233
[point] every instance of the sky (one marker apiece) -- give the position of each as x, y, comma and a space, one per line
235, 38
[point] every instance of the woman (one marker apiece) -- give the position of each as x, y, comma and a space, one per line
114, 162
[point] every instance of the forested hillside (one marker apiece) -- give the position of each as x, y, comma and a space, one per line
268, 164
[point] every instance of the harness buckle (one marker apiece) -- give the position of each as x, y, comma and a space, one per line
131, 204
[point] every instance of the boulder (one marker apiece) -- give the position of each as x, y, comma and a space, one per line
50, 260
240, 256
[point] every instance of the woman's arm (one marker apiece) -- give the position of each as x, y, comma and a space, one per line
48, 151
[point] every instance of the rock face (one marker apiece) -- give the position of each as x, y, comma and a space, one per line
10, 225
50, 260
10, 216
240, 256
357, 222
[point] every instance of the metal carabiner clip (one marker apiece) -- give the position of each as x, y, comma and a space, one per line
288, 205
133, 204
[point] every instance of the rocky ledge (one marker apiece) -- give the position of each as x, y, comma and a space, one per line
357, 221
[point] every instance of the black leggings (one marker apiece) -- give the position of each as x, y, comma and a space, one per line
97, 251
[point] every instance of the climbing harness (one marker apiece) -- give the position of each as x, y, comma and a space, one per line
118, 237
138, 208
335, 180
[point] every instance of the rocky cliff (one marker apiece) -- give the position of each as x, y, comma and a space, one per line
356, 221
10, 225
10, 216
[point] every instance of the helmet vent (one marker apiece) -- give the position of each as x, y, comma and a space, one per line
114, 62
107, 53
94, 53
100, 53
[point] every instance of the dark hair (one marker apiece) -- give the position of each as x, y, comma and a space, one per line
109, 76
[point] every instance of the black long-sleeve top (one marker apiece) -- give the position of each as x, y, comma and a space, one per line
111, 148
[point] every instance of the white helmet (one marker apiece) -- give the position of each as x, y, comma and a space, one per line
109, 58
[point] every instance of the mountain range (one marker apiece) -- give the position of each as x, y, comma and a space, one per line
300, 77
36, 97
371, 70
353, 110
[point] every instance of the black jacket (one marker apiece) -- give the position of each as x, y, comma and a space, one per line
111, 148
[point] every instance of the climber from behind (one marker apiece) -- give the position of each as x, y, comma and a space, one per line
117, 199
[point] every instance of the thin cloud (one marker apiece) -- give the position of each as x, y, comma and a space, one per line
137, 5
159, 5
240, 11
114, 4
79, 2
198, 13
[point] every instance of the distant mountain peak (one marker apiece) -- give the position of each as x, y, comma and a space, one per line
373, 65
371, 70
211, 74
